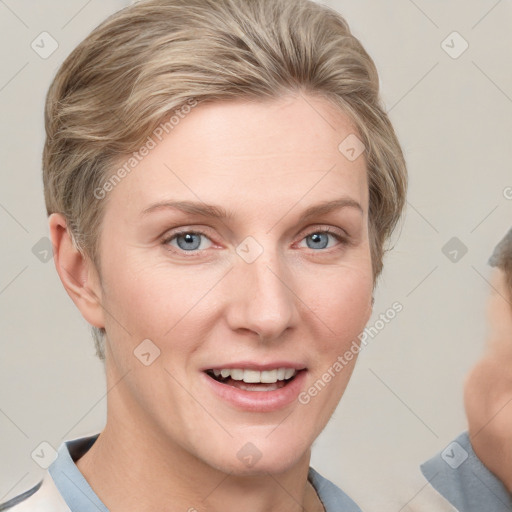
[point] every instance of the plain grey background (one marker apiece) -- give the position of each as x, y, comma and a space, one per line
452, 110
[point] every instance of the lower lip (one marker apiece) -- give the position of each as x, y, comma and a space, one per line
258, 401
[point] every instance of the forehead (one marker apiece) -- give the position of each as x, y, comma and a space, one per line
261, 153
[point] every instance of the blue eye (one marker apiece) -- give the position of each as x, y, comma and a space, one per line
193, 242
320, 239
187, 240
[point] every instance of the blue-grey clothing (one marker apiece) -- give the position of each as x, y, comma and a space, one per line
458, 474
64, 488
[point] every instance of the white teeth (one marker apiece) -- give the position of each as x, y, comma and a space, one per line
255, 376
237, 374
252, 376
289, 372
269, 376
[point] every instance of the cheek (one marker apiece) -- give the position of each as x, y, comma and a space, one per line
155, 301
342, 300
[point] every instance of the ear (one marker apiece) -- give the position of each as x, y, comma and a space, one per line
369, 309
499, 315
76, 271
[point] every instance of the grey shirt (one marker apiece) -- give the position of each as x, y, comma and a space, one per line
458, 474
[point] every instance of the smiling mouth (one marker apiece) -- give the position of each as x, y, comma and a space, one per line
254, 380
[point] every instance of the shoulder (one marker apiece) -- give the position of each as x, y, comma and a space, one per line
332, 497
42, 497
412, 494
458, 474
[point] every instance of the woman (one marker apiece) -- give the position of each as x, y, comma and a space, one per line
221, 180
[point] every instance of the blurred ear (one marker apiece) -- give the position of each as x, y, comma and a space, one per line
77, 272
499, 315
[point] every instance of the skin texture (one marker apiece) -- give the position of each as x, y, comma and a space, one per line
169, 440
488, 387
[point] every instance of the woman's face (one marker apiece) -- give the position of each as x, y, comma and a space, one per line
259, 292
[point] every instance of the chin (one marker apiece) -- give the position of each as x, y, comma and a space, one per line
256, 457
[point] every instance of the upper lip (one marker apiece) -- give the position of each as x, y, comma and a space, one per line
247, 365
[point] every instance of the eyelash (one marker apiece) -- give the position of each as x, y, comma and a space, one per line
191, 254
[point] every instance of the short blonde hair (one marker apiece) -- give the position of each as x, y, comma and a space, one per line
152, 58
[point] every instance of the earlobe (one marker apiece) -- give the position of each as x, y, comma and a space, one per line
76, 271
370, 309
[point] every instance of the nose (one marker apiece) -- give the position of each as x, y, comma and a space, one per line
261, 297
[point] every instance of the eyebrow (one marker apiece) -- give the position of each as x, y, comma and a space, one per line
218, 212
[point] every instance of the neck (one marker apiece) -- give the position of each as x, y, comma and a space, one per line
133, 466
